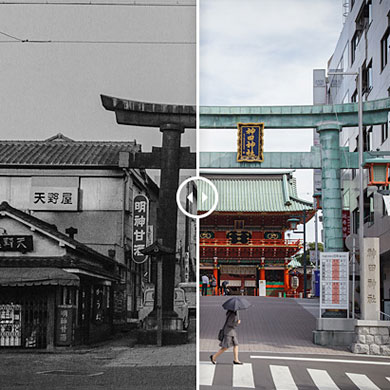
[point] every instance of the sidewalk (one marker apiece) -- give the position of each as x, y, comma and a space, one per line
269, 325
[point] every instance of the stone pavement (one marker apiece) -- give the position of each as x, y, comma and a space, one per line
151, 356
269, 325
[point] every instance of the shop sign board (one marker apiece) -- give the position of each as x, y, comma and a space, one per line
334, 277
64, 329
54, 198
346, 224
140, 227
16, 243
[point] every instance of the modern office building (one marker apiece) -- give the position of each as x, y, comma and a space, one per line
364, 43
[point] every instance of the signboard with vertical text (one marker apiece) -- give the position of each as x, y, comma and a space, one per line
140, 227
334, 278
250, 142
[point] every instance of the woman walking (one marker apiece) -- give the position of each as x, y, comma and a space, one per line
229, 337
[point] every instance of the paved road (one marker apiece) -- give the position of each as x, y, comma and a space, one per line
112, 366
275, 337
292, 372
270, 324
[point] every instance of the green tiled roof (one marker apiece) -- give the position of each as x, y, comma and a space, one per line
276, 193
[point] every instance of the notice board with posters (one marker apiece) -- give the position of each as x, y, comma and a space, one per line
334, 277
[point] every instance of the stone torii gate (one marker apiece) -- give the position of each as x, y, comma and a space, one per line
172, 120
328, 120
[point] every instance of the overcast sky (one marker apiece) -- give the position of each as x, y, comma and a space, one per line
47, 88
263, 52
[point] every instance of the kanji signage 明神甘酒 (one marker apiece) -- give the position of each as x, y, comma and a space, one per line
140, 225
250, 142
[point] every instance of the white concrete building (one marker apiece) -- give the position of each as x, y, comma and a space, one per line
364, 42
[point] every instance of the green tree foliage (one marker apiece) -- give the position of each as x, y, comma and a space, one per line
310, 246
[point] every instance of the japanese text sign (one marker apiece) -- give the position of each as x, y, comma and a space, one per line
140, 227
54, 198
250, 142
334, 276
16, 243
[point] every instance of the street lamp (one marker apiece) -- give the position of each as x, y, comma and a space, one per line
359, 76
293, 221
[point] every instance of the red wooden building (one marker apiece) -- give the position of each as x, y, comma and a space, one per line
244, 239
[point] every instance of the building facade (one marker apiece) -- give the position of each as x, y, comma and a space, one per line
364, 43
245, 239
79, 189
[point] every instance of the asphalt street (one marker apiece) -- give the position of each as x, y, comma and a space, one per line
276, 347
292, 372
116, 364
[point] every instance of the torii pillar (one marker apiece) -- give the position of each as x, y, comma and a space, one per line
172, 120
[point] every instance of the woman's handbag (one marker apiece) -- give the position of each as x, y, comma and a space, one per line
221, 332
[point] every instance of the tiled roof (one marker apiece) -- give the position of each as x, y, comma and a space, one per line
257, 194
60, 151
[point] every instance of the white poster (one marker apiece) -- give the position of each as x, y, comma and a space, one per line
262, 288
334, 280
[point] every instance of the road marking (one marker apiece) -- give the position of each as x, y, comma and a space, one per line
282, 378
321, 360
206, 373
322, 379
362, 382
243, 376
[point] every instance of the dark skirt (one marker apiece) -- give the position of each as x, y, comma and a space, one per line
228, 341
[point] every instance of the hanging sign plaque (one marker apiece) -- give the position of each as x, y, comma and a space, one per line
250, 142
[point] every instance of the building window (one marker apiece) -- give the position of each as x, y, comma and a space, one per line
367, 78
368, 208
355, 220
351, 4
385, 49
384, 132
354, 44
354, 97
367, 138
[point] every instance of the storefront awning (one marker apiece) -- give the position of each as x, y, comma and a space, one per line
14, 277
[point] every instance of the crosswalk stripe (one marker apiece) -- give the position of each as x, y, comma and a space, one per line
206, 373
282, 378
362, 382
243, 376
322, 379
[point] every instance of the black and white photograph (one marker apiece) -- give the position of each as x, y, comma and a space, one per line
97, 261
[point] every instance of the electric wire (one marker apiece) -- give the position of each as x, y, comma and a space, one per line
78, 42
105, 4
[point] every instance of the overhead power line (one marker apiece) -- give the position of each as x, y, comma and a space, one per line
101, 42
105, 4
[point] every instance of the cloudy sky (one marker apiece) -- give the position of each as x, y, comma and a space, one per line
263, 53
47, 88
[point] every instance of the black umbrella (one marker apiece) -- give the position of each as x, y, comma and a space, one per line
236, 303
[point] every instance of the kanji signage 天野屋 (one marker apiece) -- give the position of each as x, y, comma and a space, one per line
250, 142
54, 198
140, 225
16, 243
